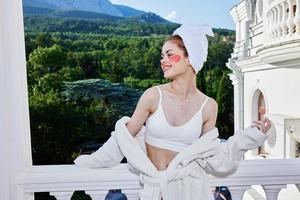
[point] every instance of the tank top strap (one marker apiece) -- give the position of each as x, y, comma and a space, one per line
160, 94
205, 101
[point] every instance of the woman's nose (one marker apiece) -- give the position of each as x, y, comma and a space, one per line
163, 60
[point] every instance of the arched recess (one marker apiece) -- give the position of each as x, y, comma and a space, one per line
258, 112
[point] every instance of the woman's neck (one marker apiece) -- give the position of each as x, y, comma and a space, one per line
183, 87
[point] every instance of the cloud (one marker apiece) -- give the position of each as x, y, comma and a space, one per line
172, 16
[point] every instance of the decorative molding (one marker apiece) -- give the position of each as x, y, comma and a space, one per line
234, 79
281, 55
285, 54
259, 9
250, 63
240, 11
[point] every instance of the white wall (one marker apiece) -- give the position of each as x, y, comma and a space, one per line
281, 89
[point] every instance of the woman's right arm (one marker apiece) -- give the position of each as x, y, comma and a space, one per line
142, 111
109, 154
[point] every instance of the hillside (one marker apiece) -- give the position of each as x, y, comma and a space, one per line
95, 6
52, 20
98, 6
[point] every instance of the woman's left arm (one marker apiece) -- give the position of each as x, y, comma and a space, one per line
210, 112
229, 154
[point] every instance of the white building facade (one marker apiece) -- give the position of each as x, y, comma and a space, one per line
266, 77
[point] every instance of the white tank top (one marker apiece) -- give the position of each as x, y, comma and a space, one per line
161, 134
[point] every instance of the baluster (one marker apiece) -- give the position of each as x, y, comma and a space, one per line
279, 19
272, 25
62, 195
275, 19
275, 22
290, 21
272, 191
297, 17
284, 19
237, 192
97, 194
270, 22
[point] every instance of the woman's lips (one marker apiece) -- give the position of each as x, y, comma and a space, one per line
166, 67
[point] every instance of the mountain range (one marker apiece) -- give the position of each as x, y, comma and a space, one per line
89, 9
95, 6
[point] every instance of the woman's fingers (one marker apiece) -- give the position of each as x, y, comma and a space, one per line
263, 126
256, 123
267, 123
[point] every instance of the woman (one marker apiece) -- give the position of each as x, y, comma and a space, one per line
179, 143
183, 110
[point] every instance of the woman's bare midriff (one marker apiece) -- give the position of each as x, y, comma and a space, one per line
161, 158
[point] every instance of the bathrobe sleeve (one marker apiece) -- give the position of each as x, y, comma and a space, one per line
108, 155
229, 154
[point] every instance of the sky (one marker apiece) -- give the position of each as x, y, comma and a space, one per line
213, 12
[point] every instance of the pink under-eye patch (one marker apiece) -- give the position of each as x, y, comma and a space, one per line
175, 58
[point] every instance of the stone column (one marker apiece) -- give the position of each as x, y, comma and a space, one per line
238, 101
15, 145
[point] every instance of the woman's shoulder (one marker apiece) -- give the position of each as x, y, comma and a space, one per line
153, 91
210, 109
209, 113
211, 103
151, 97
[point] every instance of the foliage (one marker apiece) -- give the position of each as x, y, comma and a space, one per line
110, 26
220, 88
142, 83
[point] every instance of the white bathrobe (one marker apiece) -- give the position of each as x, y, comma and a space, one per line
186, 175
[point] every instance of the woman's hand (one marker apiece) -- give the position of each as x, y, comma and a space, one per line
263, 125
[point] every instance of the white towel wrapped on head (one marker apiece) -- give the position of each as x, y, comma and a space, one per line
195, 41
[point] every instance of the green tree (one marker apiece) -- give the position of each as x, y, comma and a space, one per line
218, 54
44, 40
220, 88
47, 60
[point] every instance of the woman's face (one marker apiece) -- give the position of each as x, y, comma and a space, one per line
173, 61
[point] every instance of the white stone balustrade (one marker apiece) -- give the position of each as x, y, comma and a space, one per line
238, 49
283, 20
62, 180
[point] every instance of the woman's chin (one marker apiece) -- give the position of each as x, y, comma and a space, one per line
167, 76
170, 75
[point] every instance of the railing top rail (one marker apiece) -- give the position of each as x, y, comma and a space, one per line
70, 177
